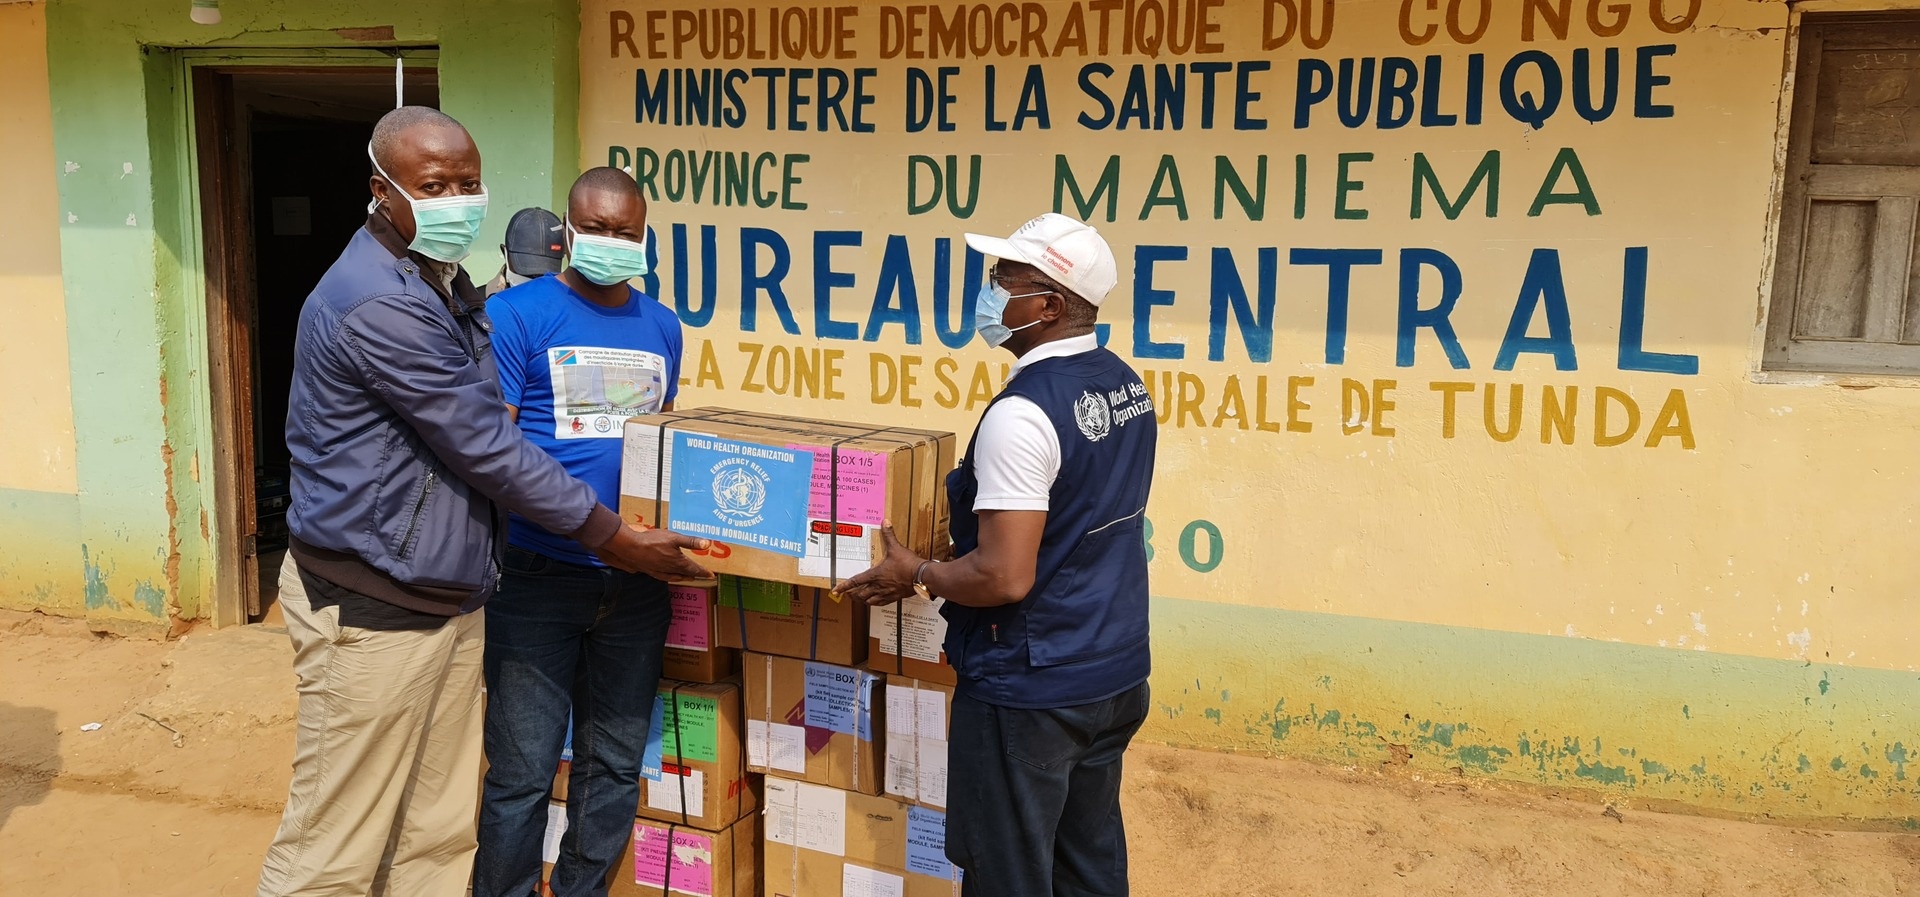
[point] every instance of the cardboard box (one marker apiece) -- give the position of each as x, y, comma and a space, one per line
667, 859
787, 499
815, 722
564, 773
918, 712
793, 621
703, 774
906, 639
550, 844
823, 842
693, 652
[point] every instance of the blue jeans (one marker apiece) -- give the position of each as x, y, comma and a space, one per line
1033, 804
558, 636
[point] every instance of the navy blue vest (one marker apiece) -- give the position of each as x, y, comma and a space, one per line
1081, 635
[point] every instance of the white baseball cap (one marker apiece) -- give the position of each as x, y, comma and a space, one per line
1070, 252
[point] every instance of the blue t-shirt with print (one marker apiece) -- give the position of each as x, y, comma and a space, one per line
577, 371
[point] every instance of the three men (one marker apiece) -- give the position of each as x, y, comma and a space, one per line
1046, 598
405, 462
578, 354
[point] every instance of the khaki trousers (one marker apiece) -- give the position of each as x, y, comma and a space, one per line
386, 767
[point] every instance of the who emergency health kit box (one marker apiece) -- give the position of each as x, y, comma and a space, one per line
667, 859
793, 621
694, 653
786, 499
825, 842
916, 744
693, 771
907, 637
814, 722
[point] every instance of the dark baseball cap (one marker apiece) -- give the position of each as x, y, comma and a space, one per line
534, 246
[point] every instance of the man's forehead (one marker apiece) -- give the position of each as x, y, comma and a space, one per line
437, 142
605, 204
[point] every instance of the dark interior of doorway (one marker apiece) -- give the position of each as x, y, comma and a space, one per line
292, 152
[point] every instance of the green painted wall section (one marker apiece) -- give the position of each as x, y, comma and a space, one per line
1713, 732
139, 548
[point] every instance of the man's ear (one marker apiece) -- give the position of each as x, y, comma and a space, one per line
378, 185
1055, 308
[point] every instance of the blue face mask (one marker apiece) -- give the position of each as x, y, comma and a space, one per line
607, 260
444, 227
990, 305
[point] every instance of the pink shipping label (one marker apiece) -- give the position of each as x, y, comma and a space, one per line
684, 868
862, 485
690, 627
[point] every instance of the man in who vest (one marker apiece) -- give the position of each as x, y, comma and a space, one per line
1046, 599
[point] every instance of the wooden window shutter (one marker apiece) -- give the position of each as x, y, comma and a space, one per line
1847, 283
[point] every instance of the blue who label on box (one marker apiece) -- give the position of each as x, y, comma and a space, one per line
741, 493
839, 699
927, 843
652, 754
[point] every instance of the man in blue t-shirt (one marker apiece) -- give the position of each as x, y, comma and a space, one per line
579, 353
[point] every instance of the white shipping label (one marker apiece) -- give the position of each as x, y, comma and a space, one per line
556, 826
809, 817
902, 716
920, 712
776, 746
664, 795
855, 552
933, 714
783, 803
919, 632
933, 772
643, 473
858, 881
903, 780
917, 769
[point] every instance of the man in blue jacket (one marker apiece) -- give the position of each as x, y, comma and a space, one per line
1046, 598
405, 463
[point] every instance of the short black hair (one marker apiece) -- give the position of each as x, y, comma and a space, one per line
605, 179
395, 125
1080, 312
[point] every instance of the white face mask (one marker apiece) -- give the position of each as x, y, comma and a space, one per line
445, 227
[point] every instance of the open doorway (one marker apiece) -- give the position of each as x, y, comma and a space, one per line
283, 182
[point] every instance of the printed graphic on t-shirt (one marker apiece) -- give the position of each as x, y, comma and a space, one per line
595, 390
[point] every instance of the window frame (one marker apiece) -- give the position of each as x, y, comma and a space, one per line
1893, 189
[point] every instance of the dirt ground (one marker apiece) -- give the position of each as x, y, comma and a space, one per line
122, 810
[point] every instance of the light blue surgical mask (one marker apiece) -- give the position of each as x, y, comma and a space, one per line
989, 307
607, 260
444, 227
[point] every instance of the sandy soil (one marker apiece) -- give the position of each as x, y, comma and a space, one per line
122, 810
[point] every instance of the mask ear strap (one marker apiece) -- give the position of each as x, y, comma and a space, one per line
374, 203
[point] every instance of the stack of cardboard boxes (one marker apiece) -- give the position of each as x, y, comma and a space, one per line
698, 826
788, 764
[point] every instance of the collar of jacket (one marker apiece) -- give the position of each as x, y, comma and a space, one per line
469, 297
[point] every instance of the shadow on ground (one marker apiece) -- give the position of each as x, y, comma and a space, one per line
30, 742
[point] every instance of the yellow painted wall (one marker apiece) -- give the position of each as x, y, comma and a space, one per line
37, 453
1771, 520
